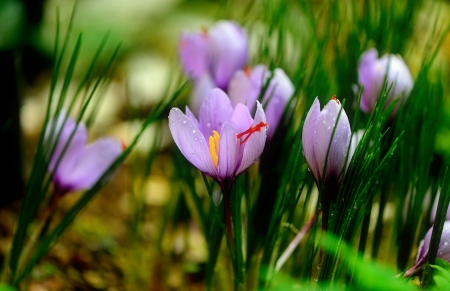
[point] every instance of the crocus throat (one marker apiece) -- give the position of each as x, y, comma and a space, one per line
250, 131
214, 141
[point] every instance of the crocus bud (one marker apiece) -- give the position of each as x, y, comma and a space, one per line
317, 132
220, 52
246, 85
372, 74
443, 250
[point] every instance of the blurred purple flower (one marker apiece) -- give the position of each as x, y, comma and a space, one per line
434, 208
246, 86
225, 141
316, 137
443, 250
217, 53
372, 74
79, 166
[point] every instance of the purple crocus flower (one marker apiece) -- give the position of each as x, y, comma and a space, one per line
225, 141
372, 74
79, 166
316, 139
218, 53
443, 250
246, 85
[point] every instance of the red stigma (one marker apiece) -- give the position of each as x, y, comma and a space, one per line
250, 131
124, 146
204, 31
247, 71
335, 99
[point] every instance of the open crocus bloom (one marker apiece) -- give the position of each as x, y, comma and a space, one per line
211, 57
225, 141
316, 139
246, 85
443, 250
372, 74
79, 166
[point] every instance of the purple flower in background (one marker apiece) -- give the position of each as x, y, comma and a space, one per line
372, 74
246, 86
225, 141
79, 166
211, 57
316, 139
443, 250
434, 208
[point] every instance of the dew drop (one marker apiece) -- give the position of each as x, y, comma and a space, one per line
194, 131
184, 121
255, 160
446, 243
329, 127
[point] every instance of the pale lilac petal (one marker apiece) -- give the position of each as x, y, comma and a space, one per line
434, 208
241, 89
200, 91
192, 117
308, 136
194, 53
400, 76
215, 111
191, 142
341, 139
241, 118
371, 72
259, 76
254, 146
73, 150
92, 164
228, 150
228, 51
281, 91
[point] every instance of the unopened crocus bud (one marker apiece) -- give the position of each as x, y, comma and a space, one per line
443, 252
372, 74
220, 51
246, 86
318, 130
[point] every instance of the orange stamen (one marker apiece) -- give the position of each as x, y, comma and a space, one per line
250, 131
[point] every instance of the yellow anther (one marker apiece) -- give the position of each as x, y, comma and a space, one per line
214, 141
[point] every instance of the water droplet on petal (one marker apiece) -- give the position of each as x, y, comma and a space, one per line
194, 131
255, 160
195, 139
184, 121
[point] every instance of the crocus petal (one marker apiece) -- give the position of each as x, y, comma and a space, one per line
91, 165
215, 111
191, 142
194, 53
308, 136
341, 139
228, 51
228, 148
241, 89
278, 95
192, 117
401, 78
241, 118
72, 153
254, 146
202, 86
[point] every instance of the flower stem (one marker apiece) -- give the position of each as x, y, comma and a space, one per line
298, 238
228, 221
